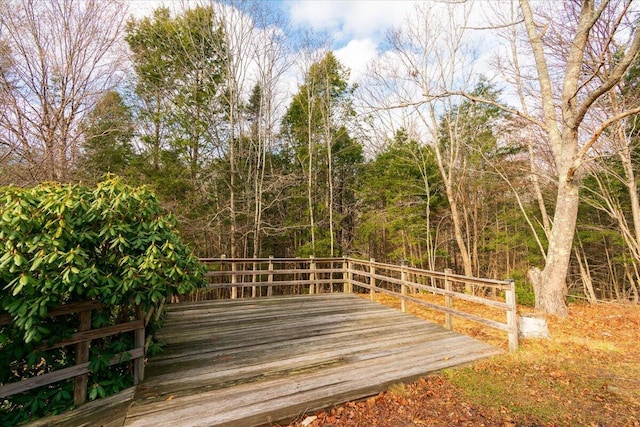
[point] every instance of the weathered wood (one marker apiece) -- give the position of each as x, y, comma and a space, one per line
93, 334
448, 300
348, 280
225, 260
244, 363
403, 287
254, 278
499, 284
107, 412
81, 341
139, 344
488, 322
312, 277
234, 279
512, 317
372, 279
435, 290
372, 276
70, 308
270, 277
61, 374
280, 272
272, 283
82, 356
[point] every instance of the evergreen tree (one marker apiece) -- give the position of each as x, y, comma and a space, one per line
108, 131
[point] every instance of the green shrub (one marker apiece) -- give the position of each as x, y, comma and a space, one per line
66, 243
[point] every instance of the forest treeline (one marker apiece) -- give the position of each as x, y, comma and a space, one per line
424, 159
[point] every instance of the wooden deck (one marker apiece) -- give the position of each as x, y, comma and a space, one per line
249, 362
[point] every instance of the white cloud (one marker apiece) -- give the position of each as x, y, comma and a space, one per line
346, 20
356, 55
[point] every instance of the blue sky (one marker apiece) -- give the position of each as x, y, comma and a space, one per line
356, 28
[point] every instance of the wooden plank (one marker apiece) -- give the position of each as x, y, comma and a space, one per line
274, 283
96, 333
276, 272
263, 353
253, 403
205, 327
436, 290
248, 368
233, 315
512, 318
267, 334
74, 307
488, 322
59, 375
225, 349
107, 412
265, 260
319, 377
248, 372
492, 283
139, 344
82, 356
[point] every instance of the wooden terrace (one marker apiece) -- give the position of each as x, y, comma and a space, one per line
235, 361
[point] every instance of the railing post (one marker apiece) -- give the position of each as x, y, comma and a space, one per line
312, 275
234, 279
270, 279
372, 280
331, 275
448, 300
346, 276
254, 279
512, 318
138, 342
403, 289
82, 356
296, 277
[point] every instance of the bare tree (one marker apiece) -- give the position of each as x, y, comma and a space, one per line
430, 55
580, 86
570, 43
59, 57
272, 60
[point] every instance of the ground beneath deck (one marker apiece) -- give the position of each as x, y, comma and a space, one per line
249, 362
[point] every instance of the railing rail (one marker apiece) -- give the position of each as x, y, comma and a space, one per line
251, 276
81, 340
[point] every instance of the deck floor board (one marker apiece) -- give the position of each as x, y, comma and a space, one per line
249, 362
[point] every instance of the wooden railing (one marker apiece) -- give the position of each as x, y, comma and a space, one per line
258, 277
81, 340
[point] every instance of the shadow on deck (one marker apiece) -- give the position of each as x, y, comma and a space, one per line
250, 362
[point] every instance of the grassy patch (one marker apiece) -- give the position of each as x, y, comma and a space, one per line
579, 377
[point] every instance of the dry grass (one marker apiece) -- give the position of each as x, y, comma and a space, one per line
588, 373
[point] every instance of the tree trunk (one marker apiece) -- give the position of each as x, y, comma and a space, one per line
550, 284
312, 224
